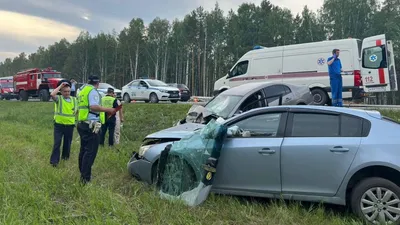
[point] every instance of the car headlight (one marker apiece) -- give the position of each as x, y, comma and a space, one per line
144, 149
165, 91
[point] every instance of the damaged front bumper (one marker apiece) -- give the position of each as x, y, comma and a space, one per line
140, 168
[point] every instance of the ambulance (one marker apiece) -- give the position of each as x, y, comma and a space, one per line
368, 66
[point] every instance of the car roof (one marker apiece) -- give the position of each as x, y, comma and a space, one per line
367, 114
244, 89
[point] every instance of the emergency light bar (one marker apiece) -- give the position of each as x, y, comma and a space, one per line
258, 47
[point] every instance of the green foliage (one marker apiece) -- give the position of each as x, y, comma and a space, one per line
201, 48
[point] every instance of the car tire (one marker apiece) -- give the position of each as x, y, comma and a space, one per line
361, 197
181, 177
126, 98
320, 97
153, 98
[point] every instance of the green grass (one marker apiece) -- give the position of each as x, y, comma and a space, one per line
33, 192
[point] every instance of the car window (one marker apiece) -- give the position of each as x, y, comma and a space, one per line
265, 125
240, 68
350, 126
142, 84
272, 92
134, 83
374, 57
287, 89
315, 125
254, 101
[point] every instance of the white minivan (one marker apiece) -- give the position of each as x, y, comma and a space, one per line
368, 65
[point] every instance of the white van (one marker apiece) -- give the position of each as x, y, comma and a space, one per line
369, 62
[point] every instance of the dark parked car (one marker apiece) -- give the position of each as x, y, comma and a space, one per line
183, 90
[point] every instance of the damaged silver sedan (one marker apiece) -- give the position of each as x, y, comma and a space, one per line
308, 153
245, 97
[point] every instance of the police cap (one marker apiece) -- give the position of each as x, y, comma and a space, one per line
94, 79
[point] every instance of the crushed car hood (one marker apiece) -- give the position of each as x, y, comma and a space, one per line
176, 131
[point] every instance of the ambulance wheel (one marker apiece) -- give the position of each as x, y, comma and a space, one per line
44, 95
23, 95
320, 97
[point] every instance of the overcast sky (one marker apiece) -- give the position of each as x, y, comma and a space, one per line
27, 24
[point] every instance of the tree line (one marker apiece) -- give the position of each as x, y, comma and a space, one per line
203, 46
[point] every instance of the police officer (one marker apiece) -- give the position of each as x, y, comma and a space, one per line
91, 116
109, 101
335, 68
65, 108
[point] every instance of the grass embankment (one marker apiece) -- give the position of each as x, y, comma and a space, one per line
33, 192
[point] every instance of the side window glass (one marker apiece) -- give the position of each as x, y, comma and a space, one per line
350, 126
374, 57
273, 93
142, 84
287, 89
265, 125
254, 101
134, 84
240, 69
315, 125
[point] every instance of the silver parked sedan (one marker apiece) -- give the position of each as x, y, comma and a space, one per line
249, 96
309, 153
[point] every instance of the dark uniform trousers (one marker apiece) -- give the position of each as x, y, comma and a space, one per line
88, 150
60, 131
110, 125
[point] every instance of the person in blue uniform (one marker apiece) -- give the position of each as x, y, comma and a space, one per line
91, 116
334, 69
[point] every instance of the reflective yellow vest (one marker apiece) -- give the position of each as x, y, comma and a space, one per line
83, 103
107, 101
64, 112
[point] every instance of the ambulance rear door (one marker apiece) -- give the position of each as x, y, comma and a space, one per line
377, 65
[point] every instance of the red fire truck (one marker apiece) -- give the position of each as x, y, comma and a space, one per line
36, 83
7, 88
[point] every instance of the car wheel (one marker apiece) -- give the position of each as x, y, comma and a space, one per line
179, 177
377, 200
127, 99
319, 96
153, 98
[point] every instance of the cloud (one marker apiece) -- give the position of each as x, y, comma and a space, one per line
4, 55
34, 30
24, 33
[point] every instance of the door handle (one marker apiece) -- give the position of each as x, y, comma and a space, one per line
339, 149
288, 98
266, 151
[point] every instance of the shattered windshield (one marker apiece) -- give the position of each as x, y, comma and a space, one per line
222, 105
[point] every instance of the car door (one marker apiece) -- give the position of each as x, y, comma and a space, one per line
252, 163
317, 151
142, 90
289, 97
133, 90
273, 94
